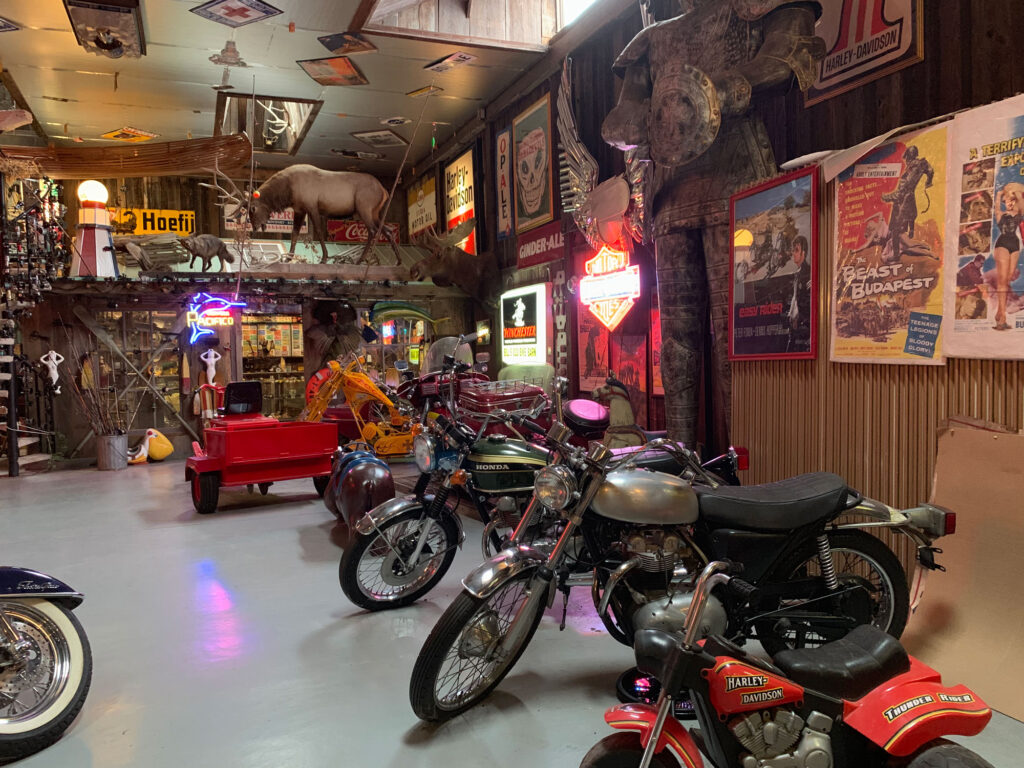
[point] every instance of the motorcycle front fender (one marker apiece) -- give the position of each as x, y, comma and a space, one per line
483, 580
642, 717
383, 513
23, 582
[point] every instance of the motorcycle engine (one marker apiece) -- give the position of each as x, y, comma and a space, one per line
770, 735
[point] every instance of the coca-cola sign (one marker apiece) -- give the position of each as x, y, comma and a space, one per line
351, 231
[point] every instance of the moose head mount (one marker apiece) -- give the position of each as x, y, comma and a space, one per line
448, 264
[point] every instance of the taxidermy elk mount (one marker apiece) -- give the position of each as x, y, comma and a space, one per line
448, 264
314, 193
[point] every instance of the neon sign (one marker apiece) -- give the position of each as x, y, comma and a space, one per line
206, 312
611, 287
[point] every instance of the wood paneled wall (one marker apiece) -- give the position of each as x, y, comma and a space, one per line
518, 21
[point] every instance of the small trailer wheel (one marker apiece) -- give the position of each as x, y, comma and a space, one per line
205, 490
264, 488
320, 483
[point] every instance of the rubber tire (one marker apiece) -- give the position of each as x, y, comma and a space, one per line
622, 749
264, 488
432, 655
320, 483
858, 541
348, 568
945, 754
205, 492
13, 746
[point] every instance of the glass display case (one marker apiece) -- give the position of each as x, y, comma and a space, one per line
398, 339
272, 354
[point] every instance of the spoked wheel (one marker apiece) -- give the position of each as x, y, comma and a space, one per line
624, 750
43, 689
377, 571
872, 590
466, 655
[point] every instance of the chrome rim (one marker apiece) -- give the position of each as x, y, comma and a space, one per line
477, 658
31, 686
382, 573
854, 569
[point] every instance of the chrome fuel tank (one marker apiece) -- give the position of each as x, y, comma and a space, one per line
648, 498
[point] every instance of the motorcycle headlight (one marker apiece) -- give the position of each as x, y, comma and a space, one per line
424, 451
555, 487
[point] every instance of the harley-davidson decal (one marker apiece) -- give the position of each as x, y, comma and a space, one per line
762, 697
732, 682
901, 709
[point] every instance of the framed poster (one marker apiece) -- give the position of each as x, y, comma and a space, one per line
595, 361
773, 285
503, 155
983, 312
657, 385
346, 43
460, 198
531, 136
333, 70
887, 260
629, 364
865, 40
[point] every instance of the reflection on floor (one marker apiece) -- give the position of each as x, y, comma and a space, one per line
226, 641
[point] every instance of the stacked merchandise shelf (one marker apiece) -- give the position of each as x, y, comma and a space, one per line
272, 354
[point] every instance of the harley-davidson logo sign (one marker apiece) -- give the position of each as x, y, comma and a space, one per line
611, 287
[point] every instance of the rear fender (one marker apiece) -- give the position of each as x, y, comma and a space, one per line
641, 718
483, 580
392, 508
915, 708
22, 582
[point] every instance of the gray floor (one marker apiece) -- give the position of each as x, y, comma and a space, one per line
226, 641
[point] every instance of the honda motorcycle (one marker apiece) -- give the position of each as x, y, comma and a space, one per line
860, 701
639, 538
45, 661
403, 546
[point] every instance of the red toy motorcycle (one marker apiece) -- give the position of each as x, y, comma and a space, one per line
859, 701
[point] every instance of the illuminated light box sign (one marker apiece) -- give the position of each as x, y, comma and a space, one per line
611, 287
524, 325
206, 313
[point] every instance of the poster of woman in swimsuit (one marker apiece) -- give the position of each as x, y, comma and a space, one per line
984, 305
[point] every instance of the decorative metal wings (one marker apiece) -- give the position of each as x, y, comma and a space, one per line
601, 211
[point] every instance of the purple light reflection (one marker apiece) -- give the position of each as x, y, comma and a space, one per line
219, 633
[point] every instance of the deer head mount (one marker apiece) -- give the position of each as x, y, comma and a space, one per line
448, 264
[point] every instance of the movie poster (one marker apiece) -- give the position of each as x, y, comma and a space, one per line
890, 239
593, 350
774, 269
984, 306
629, 364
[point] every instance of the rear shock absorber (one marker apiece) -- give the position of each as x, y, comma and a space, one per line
828, 568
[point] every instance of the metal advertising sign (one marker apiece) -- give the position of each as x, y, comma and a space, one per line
422, 203
459, 200
151, 221
505, 202
541, 245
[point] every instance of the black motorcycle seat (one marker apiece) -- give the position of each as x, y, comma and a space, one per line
781, 506
847, 668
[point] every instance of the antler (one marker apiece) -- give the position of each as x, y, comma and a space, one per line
234, 195
457, 235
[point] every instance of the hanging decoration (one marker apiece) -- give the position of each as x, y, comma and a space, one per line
235, 13
611, 286
206, 312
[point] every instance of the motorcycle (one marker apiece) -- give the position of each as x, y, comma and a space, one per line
45, 661
638, 539
858, 701
404, 546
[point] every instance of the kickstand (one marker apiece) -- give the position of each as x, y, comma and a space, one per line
565, 607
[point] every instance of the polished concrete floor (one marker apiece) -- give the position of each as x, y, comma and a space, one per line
226, 641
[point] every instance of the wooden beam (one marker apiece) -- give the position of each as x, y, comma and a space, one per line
362, 15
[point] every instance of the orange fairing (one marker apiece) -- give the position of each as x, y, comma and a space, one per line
641, 718
914, 708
